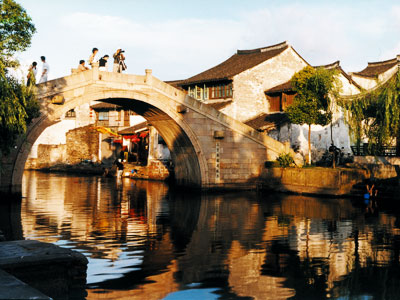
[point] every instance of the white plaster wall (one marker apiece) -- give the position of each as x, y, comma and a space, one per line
56, 134
83, 116
347, 87
135, 119
321, 136
369, 83
249, 86
116, 118
366, 83
389, 73
160, 151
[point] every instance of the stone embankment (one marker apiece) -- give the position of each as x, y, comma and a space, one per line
35, 270
318, 181
332, 182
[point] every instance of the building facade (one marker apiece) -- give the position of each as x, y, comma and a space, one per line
254, 87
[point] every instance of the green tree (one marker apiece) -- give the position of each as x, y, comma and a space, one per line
312, 105
18, 105
375, 114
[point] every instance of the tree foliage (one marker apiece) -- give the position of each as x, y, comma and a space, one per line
313, 87
16, 30
312, 105
375, 114
18, 105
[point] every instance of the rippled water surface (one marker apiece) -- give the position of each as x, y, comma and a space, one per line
145, 240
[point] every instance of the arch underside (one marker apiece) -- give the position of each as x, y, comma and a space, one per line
186, 163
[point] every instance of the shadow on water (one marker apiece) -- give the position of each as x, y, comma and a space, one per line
10, 218
145, 240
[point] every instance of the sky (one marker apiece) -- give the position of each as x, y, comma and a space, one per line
179, 39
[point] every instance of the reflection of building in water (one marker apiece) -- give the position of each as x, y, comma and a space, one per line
56, 204
331, 252
245, 276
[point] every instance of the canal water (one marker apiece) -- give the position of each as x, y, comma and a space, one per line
146, 240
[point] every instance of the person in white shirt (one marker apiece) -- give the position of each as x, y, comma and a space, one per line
92, 57
45, 70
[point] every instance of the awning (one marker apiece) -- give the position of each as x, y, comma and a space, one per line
144, 134
106, 130
128, 137
135, 140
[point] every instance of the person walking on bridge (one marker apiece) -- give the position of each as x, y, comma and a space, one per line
45, 70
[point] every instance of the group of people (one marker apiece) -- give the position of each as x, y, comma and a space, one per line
32, 72
118, 66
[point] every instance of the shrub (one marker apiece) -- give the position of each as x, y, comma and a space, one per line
285, 160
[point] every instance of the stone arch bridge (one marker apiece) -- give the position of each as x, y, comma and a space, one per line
208, 148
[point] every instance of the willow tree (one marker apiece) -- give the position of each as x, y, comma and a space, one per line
312, 105
17, 102
375, 114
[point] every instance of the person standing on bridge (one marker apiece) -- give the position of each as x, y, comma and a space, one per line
119, 61
32, 74
92, 57
103, 63
45, 70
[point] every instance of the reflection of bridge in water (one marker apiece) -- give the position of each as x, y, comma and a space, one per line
240, 243
209, 149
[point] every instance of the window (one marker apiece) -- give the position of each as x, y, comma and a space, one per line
275, 103
211, 91
70, 114
279, 101
103, 115
221, 91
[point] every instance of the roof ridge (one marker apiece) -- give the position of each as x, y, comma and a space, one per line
335, 64
384, 62
263, 49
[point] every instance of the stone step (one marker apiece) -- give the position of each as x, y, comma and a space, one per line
13, 288
55, 271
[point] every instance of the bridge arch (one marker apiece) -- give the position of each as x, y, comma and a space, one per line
187, 155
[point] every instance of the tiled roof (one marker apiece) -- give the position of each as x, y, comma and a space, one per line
175, 83
284, 87
267, 122
375, 68
220, 104
336, 65
237, 63
133, 129
104, 105
287, 86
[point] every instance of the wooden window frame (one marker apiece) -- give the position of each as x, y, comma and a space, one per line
107, 114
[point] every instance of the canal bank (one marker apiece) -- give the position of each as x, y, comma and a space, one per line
330, 182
